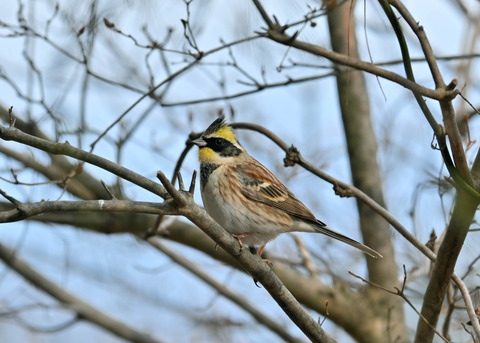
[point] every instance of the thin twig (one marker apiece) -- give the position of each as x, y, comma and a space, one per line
468, 304
400, 293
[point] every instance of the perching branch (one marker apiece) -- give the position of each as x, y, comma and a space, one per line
241, 301
253, 264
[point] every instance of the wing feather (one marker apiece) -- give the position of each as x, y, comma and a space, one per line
259, 184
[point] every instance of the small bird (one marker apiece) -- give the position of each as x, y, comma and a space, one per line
246, 199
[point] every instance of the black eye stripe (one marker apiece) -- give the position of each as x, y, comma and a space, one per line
217, 144
224, 147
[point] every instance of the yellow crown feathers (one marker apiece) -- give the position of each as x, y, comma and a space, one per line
221, 129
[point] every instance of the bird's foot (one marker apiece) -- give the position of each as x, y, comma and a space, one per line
239, 240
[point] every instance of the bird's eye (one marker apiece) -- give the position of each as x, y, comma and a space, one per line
219, 142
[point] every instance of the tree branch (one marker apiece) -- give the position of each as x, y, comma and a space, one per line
461, 219
10, 134
345, 60
242, 302
25, 211
253, 264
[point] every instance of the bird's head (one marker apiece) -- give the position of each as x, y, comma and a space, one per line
218, 144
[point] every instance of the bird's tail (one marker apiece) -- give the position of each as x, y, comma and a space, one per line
322, 228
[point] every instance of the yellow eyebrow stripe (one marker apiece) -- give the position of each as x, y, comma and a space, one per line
227, 133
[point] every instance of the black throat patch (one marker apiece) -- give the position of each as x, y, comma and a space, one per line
205, 170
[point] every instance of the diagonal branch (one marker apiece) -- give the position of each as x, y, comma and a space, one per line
224, 291
277, 34
253, 264
10, 134
445, 104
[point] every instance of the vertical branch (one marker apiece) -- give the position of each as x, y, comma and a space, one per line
362, 151
462, 216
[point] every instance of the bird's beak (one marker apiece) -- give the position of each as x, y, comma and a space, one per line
199, 142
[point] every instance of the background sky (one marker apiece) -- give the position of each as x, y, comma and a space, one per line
126, 277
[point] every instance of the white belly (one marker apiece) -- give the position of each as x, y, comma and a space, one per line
224, 205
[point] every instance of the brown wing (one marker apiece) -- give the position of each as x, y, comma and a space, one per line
259, 184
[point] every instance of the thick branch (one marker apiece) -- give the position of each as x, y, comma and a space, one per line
25, 210
463, 212
241, 301
362, 151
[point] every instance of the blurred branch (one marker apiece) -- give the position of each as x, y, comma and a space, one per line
468, 304
70, 182
82, 308
401, 293
81, 184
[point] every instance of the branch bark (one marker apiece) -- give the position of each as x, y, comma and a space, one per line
241, 301
462, 216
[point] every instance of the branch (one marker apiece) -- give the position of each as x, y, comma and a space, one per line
341, 188
446, 105
461, 219
257, 88
468, 304
10, 134
341, 59
151, 92
25, 210
82, 308
253, 264
241, 301
401, 293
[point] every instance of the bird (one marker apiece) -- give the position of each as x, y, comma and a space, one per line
247, 199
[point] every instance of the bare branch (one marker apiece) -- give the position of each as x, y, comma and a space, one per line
25, 211
252, 263
68, 150
468, 304
345, 60
224, 291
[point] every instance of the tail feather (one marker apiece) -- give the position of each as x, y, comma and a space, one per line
322, 228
